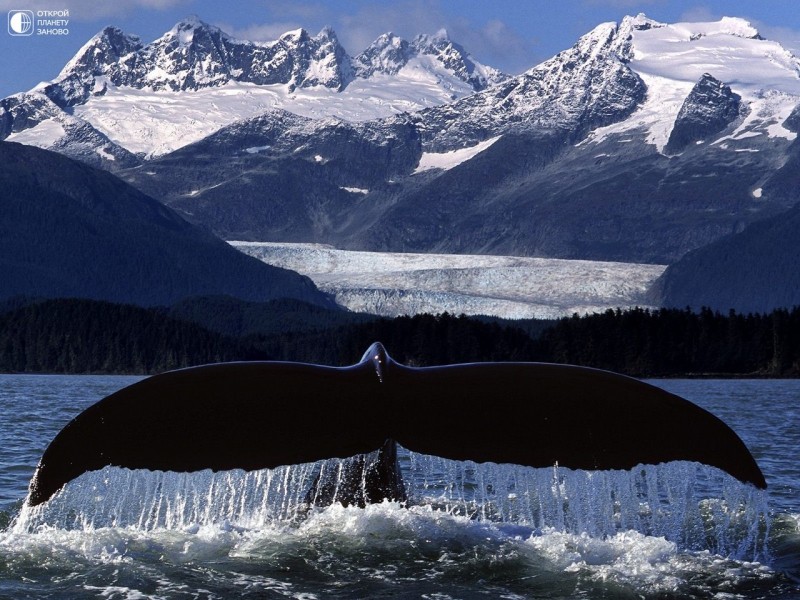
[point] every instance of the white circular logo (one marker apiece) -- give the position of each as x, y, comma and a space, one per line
20, 22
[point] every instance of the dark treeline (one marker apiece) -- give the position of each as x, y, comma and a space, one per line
420, 340
239, 318
81, 336
669, 342
87, 336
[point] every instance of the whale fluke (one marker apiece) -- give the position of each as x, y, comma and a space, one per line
256, 415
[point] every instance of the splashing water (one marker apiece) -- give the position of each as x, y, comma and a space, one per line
691, 505
667, 532
695, 506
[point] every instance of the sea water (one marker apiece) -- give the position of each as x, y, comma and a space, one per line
670, 531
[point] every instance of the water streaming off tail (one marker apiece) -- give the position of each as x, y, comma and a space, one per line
697, 507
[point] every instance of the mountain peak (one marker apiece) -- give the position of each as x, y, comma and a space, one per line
456, 59
319, 60
708, 109
104, 48
387, 40
387, 55
426, 41
112, 32
431, 43
328, 33
194, 55
189, 23
99, 57
295, 36
641, 22
606, 41
186, 30
738, 27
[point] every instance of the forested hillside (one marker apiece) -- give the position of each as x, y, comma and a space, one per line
755, 270
87, 336
69, 230
670, 342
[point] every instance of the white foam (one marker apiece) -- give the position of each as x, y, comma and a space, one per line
424, 541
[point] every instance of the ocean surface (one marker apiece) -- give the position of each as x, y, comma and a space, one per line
680, 530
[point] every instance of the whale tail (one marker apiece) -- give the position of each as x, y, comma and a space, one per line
261, 415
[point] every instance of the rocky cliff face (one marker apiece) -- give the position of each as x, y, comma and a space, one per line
194, 55
24, 111
708, 109
389, 54
585, 87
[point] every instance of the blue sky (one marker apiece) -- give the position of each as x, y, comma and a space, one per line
512, 35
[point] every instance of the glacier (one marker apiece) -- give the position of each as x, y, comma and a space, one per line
392, 283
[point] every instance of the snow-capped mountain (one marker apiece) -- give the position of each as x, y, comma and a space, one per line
672, 59
33, 118
583, 88
194, 55
155, 98
643, 141
389, 55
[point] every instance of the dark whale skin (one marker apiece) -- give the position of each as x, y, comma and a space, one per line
256, 415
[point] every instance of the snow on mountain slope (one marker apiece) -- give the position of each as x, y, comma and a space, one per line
152, 99
618, 78
392, 284
44, 135
582, 165
453, 158
582, 88
76, 138
671, 59
156, 123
